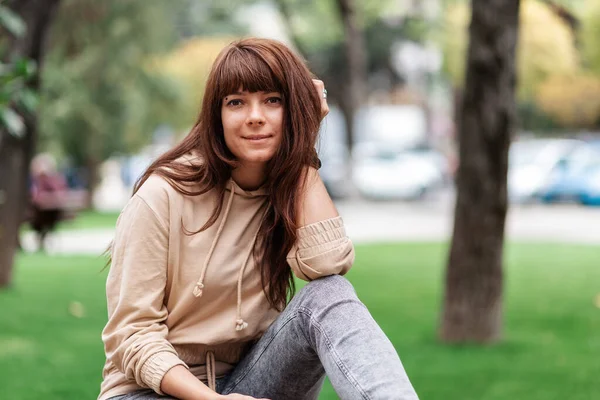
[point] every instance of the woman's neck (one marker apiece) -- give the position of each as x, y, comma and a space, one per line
250, 177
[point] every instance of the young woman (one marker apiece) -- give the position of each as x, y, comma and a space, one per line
205, 252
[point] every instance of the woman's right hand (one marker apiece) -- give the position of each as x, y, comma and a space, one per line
236, 396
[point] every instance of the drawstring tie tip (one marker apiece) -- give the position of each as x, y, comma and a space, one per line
240, 324
198, 289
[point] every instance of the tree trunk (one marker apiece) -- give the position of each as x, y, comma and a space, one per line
356, 71
16, 154
472, 310
12, 159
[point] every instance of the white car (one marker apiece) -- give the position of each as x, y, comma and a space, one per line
404, 175
398, 127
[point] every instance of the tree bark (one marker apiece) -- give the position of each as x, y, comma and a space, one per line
12, 159
356, 71
15, 153
472, 309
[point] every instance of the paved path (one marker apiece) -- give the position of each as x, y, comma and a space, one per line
367, 222
373, 222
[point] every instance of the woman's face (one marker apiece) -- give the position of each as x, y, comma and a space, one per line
252, 124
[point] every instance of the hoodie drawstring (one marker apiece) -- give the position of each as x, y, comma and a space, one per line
200, 284
240, 324
211, 376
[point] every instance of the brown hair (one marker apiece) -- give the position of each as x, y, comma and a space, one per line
254, 65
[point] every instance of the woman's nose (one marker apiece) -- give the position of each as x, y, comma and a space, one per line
256, 116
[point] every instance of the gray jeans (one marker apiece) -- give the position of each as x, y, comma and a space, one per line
324, 330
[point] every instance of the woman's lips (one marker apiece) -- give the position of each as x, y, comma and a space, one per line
257, 138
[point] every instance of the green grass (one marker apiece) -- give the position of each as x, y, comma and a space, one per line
88, 219
551, 346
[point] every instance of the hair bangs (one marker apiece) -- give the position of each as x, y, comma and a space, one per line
244, 69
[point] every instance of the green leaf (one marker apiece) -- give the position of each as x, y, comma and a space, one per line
13, 85
5, 69
13, 122
4, 98
11, 21
25, 68
29, 100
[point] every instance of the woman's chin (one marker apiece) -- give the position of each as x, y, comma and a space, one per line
257, 157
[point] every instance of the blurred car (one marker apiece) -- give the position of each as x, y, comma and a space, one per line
590, 194
394, 127
575, 176
405, 175
532, 164
334, 154
397, 127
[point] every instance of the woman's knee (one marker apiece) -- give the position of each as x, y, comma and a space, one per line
326, 291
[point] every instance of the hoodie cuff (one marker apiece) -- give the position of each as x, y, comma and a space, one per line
322, 249
155, 368
321, 237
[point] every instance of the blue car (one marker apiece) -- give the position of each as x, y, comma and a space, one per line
590, 194
576, 177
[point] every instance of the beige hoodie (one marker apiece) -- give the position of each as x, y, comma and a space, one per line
196, 300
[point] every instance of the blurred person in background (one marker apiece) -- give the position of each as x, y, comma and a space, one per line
48, 195
205, 253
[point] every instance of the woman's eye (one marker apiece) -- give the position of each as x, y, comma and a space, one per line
234, 102
274, 100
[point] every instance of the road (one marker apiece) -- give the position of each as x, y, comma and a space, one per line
390, 221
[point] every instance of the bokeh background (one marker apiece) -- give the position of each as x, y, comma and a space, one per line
92, 91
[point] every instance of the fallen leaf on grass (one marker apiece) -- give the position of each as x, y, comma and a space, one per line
76, 309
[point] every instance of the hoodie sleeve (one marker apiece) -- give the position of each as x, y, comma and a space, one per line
135, 335
322, 249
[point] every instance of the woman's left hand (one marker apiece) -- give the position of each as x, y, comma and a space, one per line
320, 86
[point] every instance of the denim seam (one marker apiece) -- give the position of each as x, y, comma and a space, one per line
247, 370
336, 357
